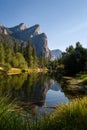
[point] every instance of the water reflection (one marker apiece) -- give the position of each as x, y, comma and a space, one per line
33, 92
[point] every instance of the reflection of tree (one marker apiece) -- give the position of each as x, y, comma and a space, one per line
10, 83
29, 90
32, 89
28, 86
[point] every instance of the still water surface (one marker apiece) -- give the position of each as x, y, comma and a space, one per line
33, 92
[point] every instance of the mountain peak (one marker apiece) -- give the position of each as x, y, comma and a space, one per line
22, 26
23, 33
18, 28
35, 28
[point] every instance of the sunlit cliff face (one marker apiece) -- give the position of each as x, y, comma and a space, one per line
22, 26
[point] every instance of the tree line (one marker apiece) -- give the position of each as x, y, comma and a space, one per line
73, 61
20, 56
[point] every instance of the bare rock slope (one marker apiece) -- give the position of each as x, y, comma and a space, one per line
33, 34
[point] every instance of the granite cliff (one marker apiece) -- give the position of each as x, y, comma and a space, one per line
4, 30
33, 34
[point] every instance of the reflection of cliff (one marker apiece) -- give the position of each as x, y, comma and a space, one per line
50, 84
29, 90
36, 93
34, 96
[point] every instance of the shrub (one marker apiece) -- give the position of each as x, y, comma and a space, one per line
7, 66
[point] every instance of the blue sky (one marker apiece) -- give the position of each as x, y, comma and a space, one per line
64, 21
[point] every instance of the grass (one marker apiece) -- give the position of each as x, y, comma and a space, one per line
14, 71
82, 77
72, 116
11, 118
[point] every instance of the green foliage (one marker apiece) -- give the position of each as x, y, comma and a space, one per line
2, 54
75, 59
19, 61
71, 63
69, 114
42, 61
53, 65
8, 55
12, 83
19, 55
72, 116
83, 78
10, 118
7, 66
56, 68
70, 49
30, 55
35, 61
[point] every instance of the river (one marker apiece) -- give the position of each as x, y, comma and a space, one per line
38, 93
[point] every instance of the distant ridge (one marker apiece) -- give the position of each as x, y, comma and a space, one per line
56, 53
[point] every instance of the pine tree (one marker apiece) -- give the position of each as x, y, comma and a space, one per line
2, 54
28, 54
19, 61
34, 56
8, 55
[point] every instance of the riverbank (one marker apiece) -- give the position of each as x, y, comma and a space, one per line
75, 86
78, 80
72, 116
72, 83
14, 71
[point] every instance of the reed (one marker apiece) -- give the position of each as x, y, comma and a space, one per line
71, 116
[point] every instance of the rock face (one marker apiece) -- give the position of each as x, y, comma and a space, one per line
41, 43
56, 53
23, 33
39, 40
33, 34
18, 28
4, 30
